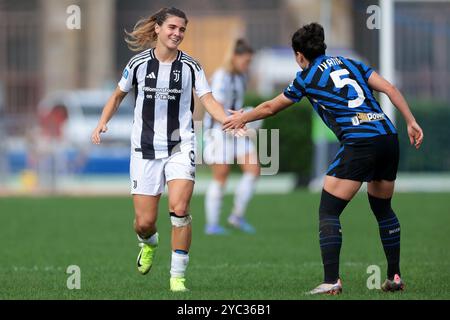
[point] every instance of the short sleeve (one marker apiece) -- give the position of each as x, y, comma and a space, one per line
201, 84
126, 82
365, 70
296, 90
219, 86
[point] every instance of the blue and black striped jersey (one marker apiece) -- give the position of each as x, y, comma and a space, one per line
338, 90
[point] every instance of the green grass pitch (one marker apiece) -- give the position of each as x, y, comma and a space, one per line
41, 237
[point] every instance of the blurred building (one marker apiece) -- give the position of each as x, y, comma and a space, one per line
40, 54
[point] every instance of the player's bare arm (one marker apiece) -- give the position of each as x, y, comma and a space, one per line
266, 109
213, 107
108, 111
380, 84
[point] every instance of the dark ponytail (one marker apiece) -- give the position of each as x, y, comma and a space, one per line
309, 40
242, 47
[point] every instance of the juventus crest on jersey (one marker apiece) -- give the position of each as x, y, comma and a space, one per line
164, 103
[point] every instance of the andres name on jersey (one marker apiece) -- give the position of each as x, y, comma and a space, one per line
366, 117
161, 93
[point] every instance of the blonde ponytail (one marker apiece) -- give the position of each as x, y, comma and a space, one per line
144, 35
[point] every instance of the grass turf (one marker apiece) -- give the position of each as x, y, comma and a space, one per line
41, 237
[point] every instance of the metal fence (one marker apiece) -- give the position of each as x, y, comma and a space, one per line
422, 46
20, 50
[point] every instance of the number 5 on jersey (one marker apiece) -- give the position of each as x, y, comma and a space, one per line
341, 82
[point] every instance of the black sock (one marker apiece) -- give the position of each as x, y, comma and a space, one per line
330, 234
389, 233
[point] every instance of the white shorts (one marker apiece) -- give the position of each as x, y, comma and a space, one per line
223, 148
149, 177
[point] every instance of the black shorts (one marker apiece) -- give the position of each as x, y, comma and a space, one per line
371, 159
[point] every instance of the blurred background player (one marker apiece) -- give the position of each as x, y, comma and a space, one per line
228, 86
163, 140
340, 91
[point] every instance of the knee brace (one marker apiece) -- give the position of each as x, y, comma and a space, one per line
180, 221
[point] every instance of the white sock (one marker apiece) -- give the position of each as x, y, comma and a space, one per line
213, 203
243, 194
179, 264
152, 240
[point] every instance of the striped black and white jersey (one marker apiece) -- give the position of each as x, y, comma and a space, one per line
229, 90
164, 103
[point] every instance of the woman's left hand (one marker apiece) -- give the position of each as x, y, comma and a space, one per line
415, 134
